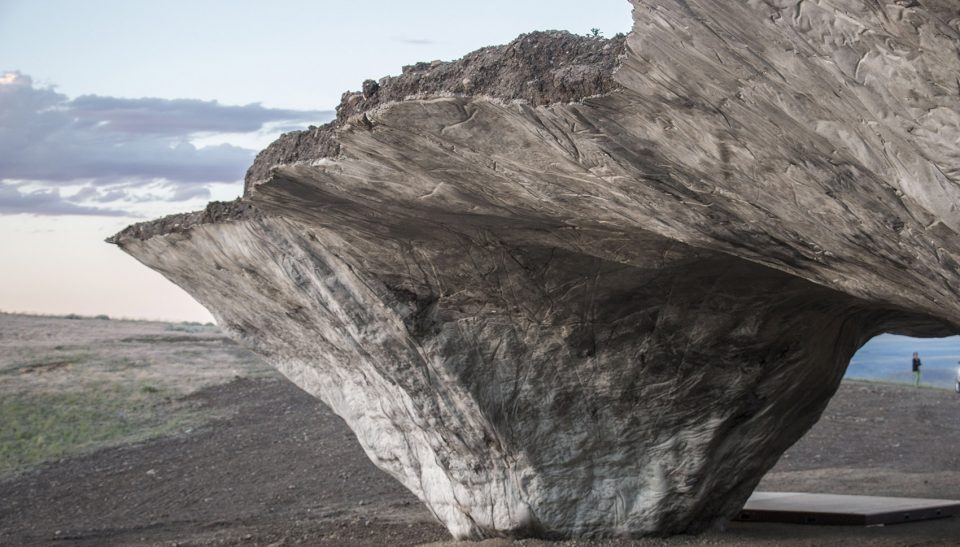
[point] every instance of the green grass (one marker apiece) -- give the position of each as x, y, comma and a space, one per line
190, 326
121, 363
40, 427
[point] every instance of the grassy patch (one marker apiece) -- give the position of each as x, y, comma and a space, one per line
895, 383
121, 363
190, 326
45, 363
40, 427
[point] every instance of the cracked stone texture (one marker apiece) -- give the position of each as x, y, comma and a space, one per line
606, 308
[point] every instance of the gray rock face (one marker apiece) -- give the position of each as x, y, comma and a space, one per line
609, 312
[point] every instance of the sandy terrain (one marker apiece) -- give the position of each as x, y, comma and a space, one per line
264, 463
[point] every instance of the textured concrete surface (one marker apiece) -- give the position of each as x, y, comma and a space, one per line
610, 312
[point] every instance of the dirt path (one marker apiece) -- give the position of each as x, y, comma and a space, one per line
283, 470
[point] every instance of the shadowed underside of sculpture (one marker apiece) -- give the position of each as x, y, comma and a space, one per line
555, 302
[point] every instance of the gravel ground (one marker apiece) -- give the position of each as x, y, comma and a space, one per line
275, 467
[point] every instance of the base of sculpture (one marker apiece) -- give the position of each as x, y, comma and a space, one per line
804, 508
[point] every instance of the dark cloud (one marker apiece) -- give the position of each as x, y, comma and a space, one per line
46, 202
45, 136
179, 117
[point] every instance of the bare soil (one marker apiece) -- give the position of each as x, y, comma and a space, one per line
273, 466
282, 469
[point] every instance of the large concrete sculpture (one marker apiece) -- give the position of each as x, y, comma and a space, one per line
578, 287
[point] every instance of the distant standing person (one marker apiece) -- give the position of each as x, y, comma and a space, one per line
916, 369
958, 378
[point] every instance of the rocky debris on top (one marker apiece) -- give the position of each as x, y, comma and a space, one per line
311, 143
215, 211
539, 67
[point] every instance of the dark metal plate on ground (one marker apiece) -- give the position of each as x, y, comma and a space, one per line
800, 508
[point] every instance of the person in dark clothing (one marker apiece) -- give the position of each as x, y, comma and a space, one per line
916, 369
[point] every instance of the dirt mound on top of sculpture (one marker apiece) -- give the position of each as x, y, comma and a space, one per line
538, 68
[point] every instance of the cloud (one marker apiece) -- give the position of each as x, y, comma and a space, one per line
188, 193
179, 117
105, 141
414, 41
46, 202
92, 193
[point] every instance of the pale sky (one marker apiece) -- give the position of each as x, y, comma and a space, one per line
112, 112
